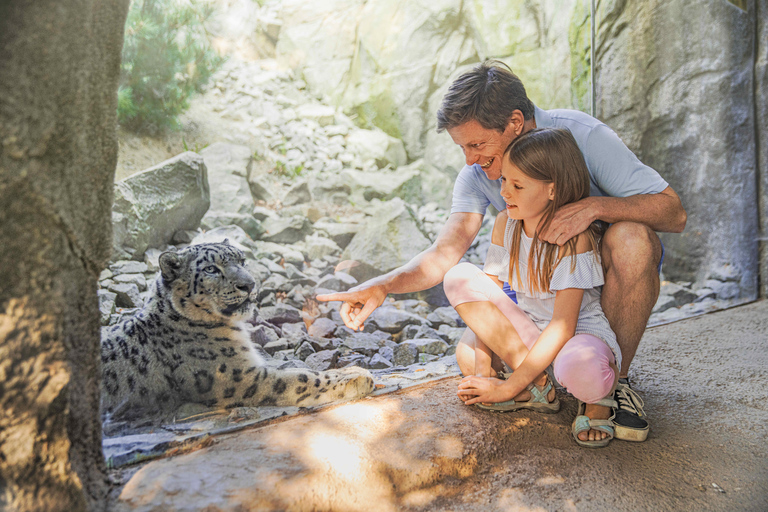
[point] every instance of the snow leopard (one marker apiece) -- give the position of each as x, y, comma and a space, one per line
190, 343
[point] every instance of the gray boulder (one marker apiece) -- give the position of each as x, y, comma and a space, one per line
392, 320
286, 230
389, 239
151, 206
298, 194
340, 232
446, 315
405, 354
249, 224
228, 168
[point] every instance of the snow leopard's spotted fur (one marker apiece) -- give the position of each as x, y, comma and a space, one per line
190, 343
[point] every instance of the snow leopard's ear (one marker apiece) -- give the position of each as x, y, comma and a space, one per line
170, 265
226, 241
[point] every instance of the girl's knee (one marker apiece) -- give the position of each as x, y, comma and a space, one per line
457, 280
585, 369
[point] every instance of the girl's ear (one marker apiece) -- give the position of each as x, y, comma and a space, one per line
551, 192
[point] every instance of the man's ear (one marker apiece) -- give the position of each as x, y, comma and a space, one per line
516, 123
551, 192
170, 265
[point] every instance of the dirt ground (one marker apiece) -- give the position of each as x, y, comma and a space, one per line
703, 381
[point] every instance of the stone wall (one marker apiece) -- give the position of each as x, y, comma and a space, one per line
676, 80
59, 66
390, 62
761, 112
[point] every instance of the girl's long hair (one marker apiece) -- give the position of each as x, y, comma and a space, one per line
550, 155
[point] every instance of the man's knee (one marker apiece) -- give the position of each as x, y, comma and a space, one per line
630, 248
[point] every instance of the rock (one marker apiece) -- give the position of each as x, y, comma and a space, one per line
340, 232
319, 246
304, 350
434, 346
377, 145
261, 213
405, 184
286, 230
322, 360
333, 190
427, 358
152, 259
126, 267
321, 114
261, 188
446, 315
723, 291
272, 347
274, 283
106, 305
363, 343
261, 335
298, 194
280, 314
415, 331
405, 354
295, 333
379, 362
387, 352
228, 169
184, 236
151, 206
352, 359
138, 279
339, 281
127, 295
393, 320
324, 343
322, 328
249, 224
388, 240
287, 253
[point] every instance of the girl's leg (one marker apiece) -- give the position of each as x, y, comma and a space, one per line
493, 319
587, 368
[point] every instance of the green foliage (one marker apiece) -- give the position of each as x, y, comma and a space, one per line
167, 57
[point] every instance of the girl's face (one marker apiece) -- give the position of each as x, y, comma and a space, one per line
527, 199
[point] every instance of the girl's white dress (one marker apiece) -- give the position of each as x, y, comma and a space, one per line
588, 275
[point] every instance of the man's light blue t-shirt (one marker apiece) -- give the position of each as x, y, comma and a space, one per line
613, 169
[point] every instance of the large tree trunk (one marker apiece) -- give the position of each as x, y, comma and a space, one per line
59, 67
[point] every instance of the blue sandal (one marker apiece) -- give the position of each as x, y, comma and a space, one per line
583, 423
538, 401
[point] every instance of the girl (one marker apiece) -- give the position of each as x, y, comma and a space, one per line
558, 319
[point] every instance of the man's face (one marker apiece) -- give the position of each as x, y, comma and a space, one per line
482, 146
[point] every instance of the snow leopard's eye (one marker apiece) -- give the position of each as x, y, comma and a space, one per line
211, 269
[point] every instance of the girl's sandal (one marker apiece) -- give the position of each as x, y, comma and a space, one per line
538, 401
583, 423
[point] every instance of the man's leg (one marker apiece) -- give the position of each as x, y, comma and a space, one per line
631, 255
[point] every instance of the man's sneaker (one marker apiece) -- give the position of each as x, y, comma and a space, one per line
629, 421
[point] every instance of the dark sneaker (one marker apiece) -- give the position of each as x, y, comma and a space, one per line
629, 422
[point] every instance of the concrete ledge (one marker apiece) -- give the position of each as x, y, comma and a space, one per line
421, 449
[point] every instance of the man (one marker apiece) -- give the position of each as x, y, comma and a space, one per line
483, 111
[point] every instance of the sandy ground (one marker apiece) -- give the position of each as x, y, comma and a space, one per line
703, 381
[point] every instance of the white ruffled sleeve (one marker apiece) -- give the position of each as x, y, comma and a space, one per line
497, 262
587, 274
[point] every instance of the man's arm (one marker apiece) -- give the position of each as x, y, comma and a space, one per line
424, 271
661, 212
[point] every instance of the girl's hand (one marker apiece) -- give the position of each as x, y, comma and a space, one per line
482, 390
